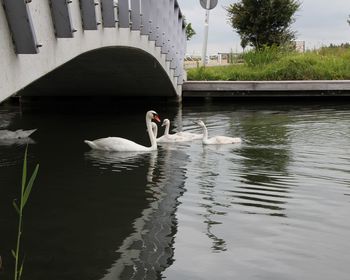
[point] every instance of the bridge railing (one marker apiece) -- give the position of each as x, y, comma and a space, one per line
160, 20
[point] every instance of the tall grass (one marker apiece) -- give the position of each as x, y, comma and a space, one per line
263, 56
25, 192
331, 63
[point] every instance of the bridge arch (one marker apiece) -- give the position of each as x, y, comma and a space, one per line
108, 71
149, 34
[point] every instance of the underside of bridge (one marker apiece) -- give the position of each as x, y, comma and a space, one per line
110, 71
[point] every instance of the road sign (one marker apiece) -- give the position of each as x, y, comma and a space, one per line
212, 4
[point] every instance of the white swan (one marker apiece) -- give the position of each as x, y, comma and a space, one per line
176, 137
117, 144
18, 134
216, 139
185, 134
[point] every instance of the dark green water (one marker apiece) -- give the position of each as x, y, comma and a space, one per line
274, 207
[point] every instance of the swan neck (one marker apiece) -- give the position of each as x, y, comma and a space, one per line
152, 138
167, 126
205, 133
155, 131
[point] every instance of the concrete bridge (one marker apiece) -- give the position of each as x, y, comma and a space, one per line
91, 47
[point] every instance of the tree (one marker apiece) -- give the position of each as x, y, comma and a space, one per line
263, 22
189, 31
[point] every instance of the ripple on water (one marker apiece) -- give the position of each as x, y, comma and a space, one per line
118, 161
274, 207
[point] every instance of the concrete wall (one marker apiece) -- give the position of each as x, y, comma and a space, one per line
267, 89
19, 70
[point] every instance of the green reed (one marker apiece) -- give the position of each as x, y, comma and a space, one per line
25, 192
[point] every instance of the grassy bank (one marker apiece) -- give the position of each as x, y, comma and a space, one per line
330, 63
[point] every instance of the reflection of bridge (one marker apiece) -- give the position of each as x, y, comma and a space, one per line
124, 47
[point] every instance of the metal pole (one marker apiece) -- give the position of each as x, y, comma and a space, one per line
206, 28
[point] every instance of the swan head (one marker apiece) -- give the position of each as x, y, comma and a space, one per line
152, 115
200, 123
165, 122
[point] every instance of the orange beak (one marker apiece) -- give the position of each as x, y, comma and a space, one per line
156, 117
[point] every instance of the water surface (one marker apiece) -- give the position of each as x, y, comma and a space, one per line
274, 207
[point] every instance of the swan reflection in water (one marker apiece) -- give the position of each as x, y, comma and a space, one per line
118, 161
16, 142
148, 250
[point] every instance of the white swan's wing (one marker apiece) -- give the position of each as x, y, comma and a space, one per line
226, 140
116, 144
172, 138
220, 140
190, 135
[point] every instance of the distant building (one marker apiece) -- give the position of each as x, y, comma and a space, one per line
299, 46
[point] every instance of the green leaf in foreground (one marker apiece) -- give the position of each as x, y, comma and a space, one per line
30, 185
16, 206
25, 193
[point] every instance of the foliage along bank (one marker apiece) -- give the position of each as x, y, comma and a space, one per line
272, 63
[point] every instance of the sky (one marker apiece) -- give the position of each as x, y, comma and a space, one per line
317, 22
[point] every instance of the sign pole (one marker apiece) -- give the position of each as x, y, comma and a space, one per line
206, 29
